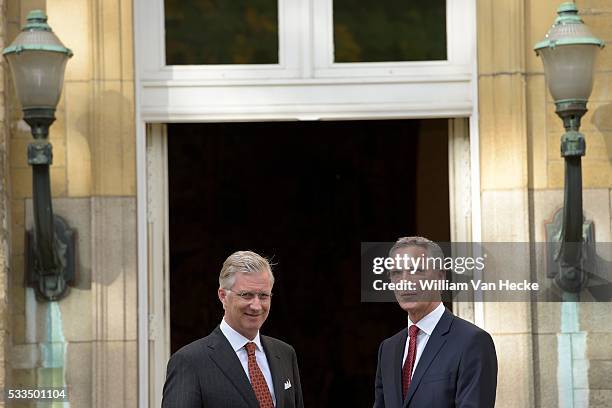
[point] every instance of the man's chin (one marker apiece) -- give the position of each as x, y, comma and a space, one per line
408, 298
408, 305
253, 322
413, 303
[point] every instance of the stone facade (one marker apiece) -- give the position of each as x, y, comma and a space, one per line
522, 186
91, 335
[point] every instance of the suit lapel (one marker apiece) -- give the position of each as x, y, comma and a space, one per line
226, 359
434, 344
275, 363
397, 366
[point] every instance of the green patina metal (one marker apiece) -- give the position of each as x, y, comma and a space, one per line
17, 49
567, 14
573, 144
37, 21
571, 112
573, 41
565, 102
571, 234
40, 153
51, 245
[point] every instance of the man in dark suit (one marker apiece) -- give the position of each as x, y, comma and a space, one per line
440, 360
235, 366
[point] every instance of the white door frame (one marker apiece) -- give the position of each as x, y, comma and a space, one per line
304, 86
153, 248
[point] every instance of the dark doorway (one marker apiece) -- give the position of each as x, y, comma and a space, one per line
304, 194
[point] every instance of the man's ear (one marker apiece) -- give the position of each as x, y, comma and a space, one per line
222, 293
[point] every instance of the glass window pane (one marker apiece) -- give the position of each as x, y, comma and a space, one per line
389, 30
221, 32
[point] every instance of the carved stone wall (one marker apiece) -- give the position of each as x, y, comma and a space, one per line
92, 333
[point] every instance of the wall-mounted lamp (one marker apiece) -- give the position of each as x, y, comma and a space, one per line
569, 52
37, 60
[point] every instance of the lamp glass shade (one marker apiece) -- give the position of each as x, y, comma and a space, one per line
568, 52
38, 77
37, 59
569, 70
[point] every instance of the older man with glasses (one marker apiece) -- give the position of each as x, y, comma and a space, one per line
235, 366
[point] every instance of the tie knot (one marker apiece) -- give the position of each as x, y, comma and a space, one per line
250, 348
413, 330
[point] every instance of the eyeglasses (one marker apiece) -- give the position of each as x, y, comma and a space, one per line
395, 274
248, 296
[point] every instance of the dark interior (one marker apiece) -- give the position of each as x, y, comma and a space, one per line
304, 194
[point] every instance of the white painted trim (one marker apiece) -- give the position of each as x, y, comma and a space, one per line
142, 221
306, 40
305, 73
158, 257
459, 180
288, 101
479, 317
143, 290
460, 195
154, 346
153, 66
459, 48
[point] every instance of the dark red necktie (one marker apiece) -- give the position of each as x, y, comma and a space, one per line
409, 363
258, 382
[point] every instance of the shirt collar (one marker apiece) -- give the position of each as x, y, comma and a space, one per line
428, 323
236, 339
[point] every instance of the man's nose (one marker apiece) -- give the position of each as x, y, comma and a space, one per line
255, 303
408, 275
412, 277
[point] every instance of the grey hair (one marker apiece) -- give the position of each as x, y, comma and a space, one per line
242, 262
433, 249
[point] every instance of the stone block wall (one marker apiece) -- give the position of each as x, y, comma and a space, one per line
91, 335
522, 186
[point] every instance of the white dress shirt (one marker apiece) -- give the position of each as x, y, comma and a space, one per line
426, 326
238, 341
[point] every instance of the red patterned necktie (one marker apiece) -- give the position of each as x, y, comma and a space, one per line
258, 382
409, 363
